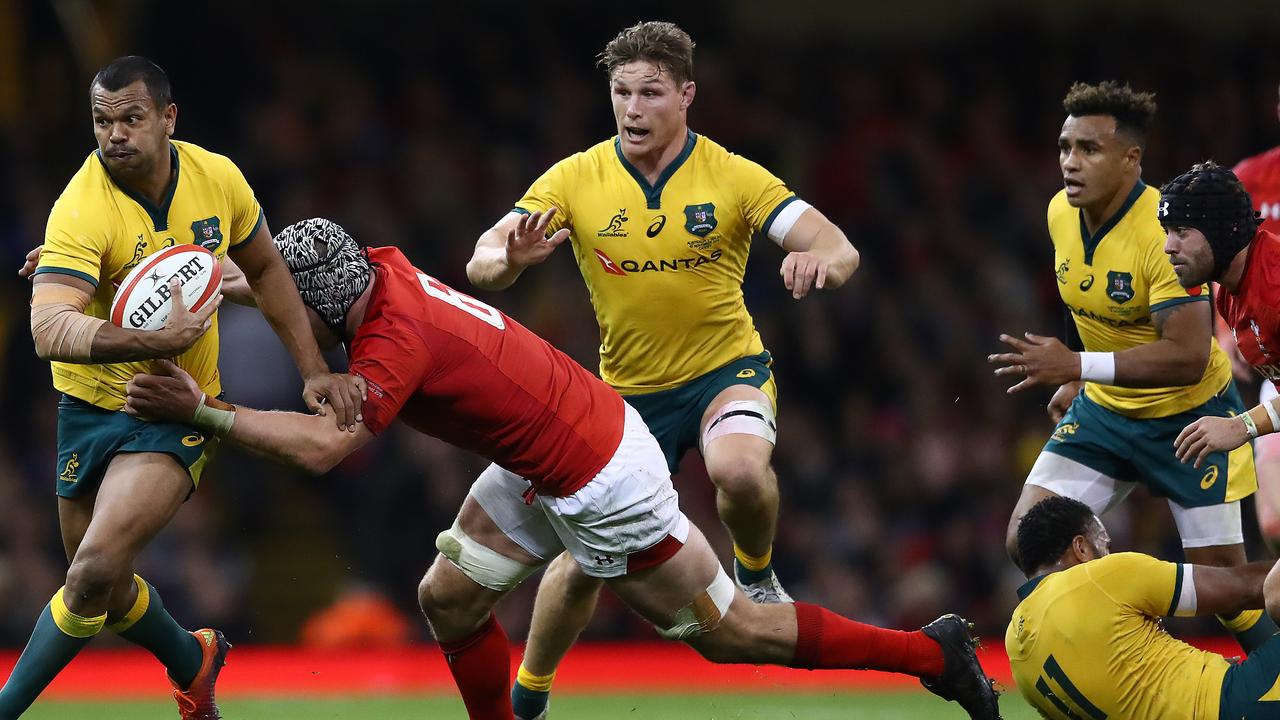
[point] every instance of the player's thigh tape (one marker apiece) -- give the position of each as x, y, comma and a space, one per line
704, 613
487, 567
745, 417
1209, 525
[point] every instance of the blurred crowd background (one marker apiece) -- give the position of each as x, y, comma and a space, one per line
926, 130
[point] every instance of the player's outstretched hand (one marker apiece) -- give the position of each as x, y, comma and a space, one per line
1040, 360
802, 272
346, 393
528, 243
168, 395
184, 328
1209, 435
33, 259
1062, 399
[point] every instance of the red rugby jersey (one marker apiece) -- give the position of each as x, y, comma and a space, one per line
1253, 310
1261, 177
452, 367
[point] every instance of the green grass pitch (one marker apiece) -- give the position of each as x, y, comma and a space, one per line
789, 706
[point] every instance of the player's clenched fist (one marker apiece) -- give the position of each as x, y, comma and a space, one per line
1041, 360
1209, 435
528, 244
802, 272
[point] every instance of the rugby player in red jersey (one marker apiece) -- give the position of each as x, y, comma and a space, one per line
1260, 176
1214, 234
574, 468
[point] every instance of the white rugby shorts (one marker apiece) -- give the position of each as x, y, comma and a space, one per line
626, 519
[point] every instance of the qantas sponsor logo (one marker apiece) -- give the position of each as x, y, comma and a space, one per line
609, 265
1270, 211
628, 266
1085, 313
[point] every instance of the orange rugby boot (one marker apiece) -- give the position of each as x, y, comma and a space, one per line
196, 702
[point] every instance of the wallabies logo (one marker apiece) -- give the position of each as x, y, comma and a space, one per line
207, 233
69, 472
1063, 431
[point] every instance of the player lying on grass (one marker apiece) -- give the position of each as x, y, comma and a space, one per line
1086, 640
574, 469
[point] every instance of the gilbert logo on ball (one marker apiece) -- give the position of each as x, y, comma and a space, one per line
143, 303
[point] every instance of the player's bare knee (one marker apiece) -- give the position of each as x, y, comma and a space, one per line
565, 572
92, 575
447, 607
742, 477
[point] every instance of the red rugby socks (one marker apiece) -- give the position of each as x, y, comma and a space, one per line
481, 667
826, 640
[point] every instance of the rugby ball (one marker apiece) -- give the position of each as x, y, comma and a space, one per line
142, 299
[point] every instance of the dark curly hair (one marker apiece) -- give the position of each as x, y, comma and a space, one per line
1134, 111
1048, 528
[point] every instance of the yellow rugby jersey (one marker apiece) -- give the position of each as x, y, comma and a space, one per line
98, 231
1086, 643
1112, 282
663, 263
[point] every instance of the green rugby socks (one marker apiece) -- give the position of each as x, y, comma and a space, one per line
148, 624
1251, 628
58, 636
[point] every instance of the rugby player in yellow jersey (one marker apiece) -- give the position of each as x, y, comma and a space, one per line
1150, 365
660, 221
1086, 643
120, 480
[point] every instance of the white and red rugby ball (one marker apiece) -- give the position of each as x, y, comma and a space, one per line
142, 300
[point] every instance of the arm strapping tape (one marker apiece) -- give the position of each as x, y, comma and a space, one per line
59, 327
214, 415
786, 219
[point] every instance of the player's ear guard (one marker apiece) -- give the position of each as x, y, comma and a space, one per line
487, 567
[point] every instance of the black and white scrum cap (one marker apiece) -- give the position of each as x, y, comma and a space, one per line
328, 265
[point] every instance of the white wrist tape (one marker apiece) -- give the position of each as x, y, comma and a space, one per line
1250, 427
1275, 417
214, 415
1098, 367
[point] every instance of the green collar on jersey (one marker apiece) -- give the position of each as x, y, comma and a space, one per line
653, 193
159, 215
1091, 243
1030, 585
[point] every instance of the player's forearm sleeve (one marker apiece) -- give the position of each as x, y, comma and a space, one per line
59, 327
